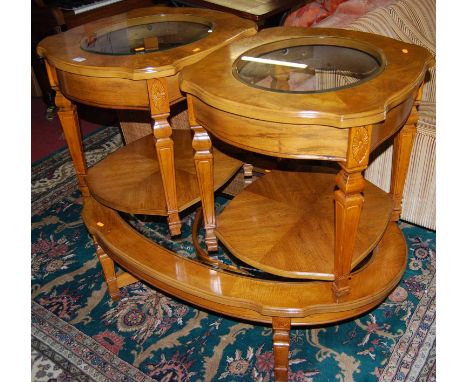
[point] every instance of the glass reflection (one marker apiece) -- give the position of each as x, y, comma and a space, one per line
145, 38
306, 68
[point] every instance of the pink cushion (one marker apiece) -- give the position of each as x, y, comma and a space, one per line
350, 10
331, 5
306, 16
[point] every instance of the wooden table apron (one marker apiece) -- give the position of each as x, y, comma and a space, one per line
131, 82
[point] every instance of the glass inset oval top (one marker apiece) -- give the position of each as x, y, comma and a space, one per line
306, 68
145, 38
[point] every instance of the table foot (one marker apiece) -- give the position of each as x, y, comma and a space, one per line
175, 225
281, 341
108, 268
211, 241
203, 255
248, 170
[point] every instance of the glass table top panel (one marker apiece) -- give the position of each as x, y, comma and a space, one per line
306, 68
145, 38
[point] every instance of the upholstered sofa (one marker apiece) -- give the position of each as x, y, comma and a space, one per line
411, 21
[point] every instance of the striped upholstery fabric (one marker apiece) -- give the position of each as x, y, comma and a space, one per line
411, 21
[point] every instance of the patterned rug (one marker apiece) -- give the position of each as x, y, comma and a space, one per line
80, 334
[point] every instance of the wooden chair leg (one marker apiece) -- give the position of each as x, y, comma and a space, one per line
108, 267
281, 342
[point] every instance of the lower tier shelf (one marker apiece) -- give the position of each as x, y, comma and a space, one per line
129, 179
284, 224
243, 297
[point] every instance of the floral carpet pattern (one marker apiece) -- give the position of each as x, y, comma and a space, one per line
80, 334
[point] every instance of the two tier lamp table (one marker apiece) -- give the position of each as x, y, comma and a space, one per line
310, 94
132, 62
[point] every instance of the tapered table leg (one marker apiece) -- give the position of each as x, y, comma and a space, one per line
203, 157
108, 268
402, 146
281, 342
162, 131
71, 129
348, 205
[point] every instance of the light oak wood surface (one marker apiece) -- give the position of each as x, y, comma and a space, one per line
115, 93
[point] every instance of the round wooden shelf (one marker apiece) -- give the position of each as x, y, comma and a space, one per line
284, 224
129, 179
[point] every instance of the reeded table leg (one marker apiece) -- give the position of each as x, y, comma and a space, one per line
402, 146
162, 131
348, 205
203, 158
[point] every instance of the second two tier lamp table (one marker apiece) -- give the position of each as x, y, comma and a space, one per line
310, 94
131, 62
